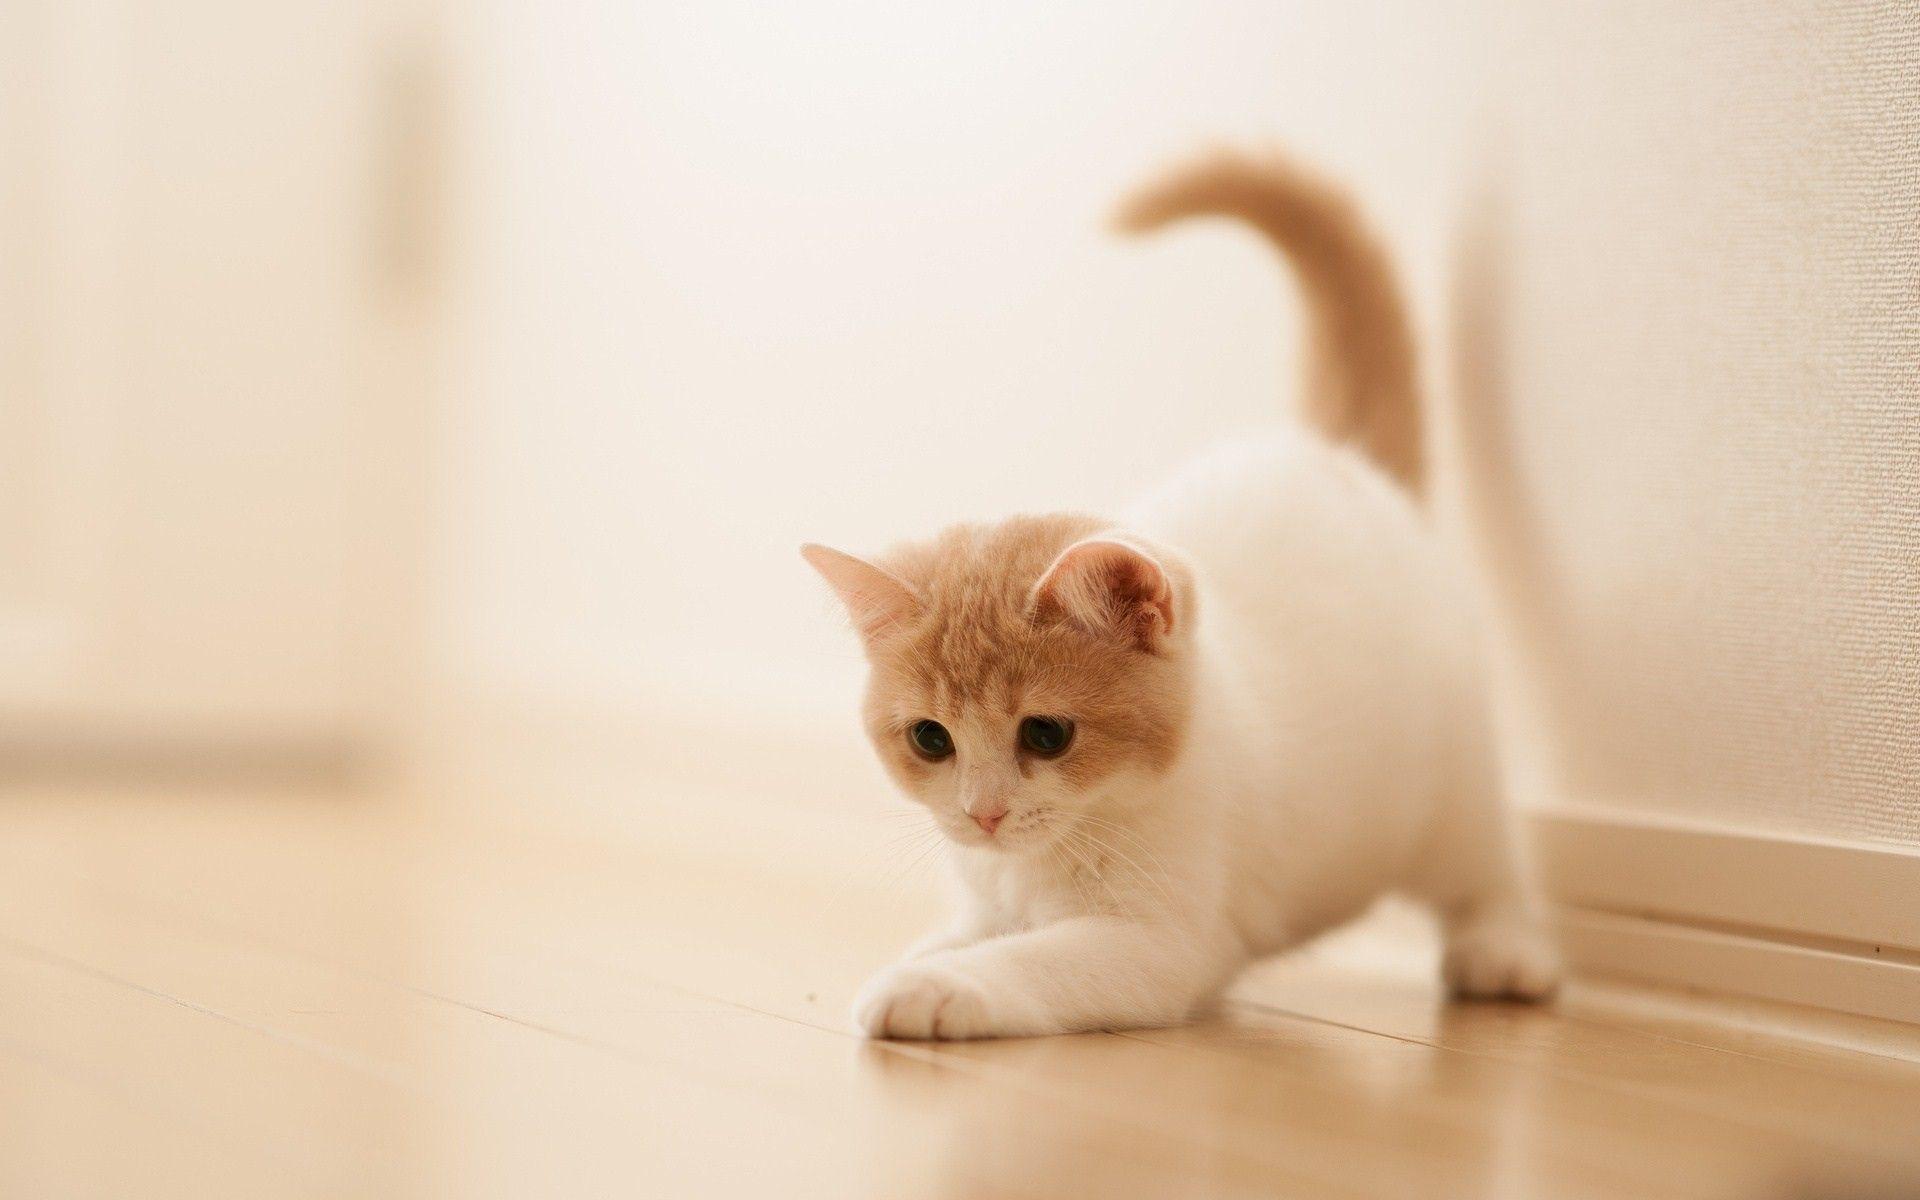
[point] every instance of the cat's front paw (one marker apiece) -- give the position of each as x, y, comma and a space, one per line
923, 1001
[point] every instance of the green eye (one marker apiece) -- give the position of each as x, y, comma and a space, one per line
1046, 736
930, 740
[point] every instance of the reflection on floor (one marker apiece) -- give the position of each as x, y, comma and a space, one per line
326, 996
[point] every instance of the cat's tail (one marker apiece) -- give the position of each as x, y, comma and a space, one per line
1362, 378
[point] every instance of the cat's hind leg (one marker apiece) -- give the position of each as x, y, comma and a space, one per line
1472, 874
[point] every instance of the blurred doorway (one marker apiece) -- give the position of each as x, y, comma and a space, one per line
215, 324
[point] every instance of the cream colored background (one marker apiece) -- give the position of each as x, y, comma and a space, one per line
674, 287
754, 275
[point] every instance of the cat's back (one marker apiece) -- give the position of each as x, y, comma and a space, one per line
1306, 552
1246, 511
1342, 663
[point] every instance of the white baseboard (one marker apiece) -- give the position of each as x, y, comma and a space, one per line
1667, 952
1807, 921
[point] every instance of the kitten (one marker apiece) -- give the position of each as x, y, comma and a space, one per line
1166, 745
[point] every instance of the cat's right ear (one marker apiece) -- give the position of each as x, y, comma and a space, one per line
876, 600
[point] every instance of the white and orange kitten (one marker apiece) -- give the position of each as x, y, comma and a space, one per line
1165, 745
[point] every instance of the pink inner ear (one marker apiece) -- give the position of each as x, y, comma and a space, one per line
1110, 587
876, 599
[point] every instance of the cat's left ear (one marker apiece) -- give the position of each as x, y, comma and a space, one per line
1110, 588
876, 599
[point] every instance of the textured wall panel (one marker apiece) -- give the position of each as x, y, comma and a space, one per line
1691, 336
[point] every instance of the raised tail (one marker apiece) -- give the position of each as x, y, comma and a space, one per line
1362, 382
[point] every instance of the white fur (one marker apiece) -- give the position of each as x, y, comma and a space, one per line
1339, 749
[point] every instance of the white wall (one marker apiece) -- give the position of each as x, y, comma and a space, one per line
1710, 350
756, 274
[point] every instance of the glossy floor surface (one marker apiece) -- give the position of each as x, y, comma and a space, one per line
311, 995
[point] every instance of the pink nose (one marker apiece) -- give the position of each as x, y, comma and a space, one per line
989, 823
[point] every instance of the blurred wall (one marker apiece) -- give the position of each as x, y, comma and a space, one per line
211, 375
753, 276
758, 274
719, 278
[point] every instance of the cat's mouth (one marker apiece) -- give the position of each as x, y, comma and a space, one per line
969, 834
1029, 832
1012, 833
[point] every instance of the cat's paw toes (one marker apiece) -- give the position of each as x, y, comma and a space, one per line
1501, 961
915, 1000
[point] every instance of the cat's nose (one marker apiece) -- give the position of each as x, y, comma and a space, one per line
984, 795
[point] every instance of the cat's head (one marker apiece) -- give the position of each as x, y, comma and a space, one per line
1023, 673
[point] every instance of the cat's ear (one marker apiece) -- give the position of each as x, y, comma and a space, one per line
876, 600
1111, 589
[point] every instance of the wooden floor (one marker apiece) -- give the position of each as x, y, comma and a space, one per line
283, 995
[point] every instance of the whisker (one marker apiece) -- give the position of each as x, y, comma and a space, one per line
1053, 851
911, 850
1104, 854
1139, 843
1091, 869
933, 851
933, 845
1155, 880
1133, 837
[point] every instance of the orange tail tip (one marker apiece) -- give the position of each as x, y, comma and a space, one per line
1362, 382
